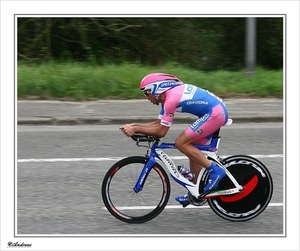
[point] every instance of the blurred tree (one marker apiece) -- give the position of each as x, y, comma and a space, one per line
270, 42
200, 43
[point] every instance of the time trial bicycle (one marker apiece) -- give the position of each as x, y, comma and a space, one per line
136, 189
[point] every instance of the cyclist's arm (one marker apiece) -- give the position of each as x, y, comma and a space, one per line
153, 123
154, 128
161, 126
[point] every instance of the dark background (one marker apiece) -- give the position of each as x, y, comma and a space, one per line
199, 43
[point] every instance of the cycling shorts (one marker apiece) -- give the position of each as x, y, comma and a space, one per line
203, 128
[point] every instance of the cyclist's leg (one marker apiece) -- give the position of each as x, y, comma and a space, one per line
197, 159
200, 131
195, 169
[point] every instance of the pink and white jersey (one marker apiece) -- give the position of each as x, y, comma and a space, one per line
191, 99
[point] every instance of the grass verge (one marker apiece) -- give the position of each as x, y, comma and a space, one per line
78, 82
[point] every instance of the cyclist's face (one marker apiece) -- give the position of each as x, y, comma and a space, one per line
153, 100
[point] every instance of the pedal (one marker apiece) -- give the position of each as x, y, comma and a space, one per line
185, 204
202, 195
196, 202
200, 203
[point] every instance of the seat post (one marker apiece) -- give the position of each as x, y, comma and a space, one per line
216, 134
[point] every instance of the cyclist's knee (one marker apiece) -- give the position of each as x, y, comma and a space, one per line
182, 140
178, 143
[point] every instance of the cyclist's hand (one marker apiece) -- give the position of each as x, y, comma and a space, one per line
128, 130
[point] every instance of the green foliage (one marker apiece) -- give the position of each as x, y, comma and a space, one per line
201, 43
77, 81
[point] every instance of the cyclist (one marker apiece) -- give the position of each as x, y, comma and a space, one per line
177, 96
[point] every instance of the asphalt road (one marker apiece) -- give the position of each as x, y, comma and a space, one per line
60, 170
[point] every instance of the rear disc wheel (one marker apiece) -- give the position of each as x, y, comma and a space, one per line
253, 200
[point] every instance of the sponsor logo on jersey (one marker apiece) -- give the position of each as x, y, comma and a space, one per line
199, 121
197, 102
199, 131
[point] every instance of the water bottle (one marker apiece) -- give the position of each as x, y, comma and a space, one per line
186, 172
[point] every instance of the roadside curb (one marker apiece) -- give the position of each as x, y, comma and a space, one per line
109, 120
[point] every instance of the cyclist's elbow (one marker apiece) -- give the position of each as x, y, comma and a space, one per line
160, 134
162, 131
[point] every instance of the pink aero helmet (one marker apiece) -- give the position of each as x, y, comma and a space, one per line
157, 83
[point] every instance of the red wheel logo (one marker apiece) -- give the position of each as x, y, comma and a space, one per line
248, 188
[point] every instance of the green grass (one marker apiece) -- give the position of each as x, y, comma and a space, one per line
74, 81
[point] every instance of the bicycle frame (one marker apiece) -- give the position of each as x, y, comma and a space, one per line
209, 150
232, 200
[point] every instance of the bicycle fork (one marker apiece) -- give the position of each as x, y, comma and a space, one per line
150, 161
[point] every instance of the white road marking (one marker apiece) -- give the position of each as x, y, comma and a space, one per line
179, 206
119, 158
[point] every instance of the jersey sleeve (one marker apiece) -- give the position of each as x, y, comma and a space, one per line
167, 112
161, 111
